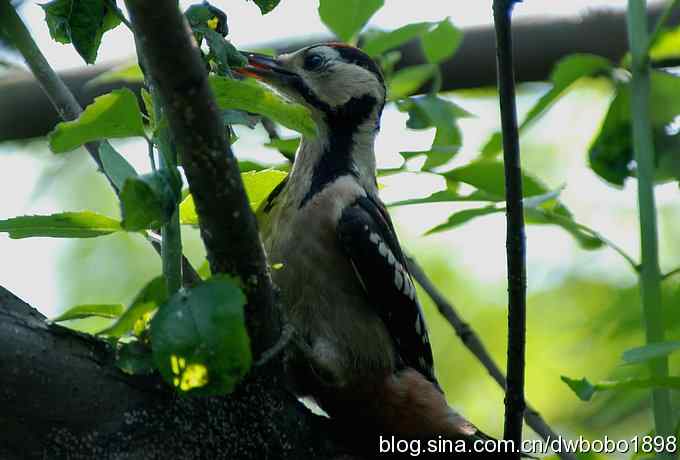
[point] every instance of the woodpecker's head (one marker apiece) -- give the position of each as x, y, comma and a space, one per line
331, 79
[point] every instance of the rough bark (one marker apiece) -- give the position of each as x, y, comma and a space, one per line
63, 397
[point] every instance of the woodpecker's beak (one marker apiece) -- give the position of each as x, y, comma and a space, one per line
265, 68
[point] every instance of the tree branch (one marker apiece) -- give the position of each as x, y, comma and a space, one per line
228, 226
62, 397
473, 343
516, 241
599, 31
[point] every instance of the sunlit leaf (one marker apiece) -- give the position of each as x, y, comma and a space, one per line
461, 217
148, 201
565, 73
112, 115
149, 298
346, 18
385, 41
666, 46
89, 310
408, 80
250, 96
128, 73
445, 196
81, 22
84, 224
199, 339
650, 351
489, 176
441, 42
258, 186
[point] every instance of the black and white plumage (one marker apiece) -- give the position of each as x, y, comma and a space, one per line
344, 282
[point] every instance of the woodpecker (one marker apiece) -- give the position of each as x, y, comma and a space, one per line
361, 346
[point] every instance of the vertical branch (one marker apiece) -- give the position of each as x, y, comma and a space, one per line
650, 276
515, 242
228, 226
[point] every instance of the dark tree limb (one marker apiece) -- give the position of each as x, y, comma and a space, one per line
539, 43
228, 226
516, 241
63, 398
474, 344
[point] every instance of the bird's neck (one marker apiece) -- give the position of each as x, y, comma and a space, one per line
343, 146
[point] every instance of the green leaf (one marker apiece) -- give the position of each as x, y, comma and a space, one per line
84, 224
434, 111
115, 166
286, 146
442, 42
127, 73
134, 358
266, 5
81, 22
666, 46
88, 310
238, 117
258, 186
148, 201
207, 16
385, 41
651, 351
222, 52
538, 216
137, 315
446, 196
566, 72
199, 339
345, 18
459, 218
112, 115
408, 80
250, 96
489, 176
585, 390
611, 153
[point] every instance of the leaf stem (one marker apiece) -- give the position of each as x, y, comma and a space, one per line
516, 241
607, 242
650, 276
670, 274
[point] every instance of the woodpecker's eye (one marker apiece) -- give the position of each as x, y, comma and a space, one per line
313, 62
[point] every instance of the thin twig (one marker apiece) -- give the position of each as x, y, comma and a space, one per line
670, 274
516, 241
474, 344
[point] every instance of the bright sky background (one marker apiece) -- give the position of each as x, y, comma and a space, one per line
477, 248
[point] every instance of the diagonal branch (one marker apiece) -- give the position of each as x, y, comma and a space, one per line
228, 226
474, 344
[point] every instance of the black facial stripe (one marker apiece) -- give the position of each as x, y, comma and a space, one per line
336, 159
